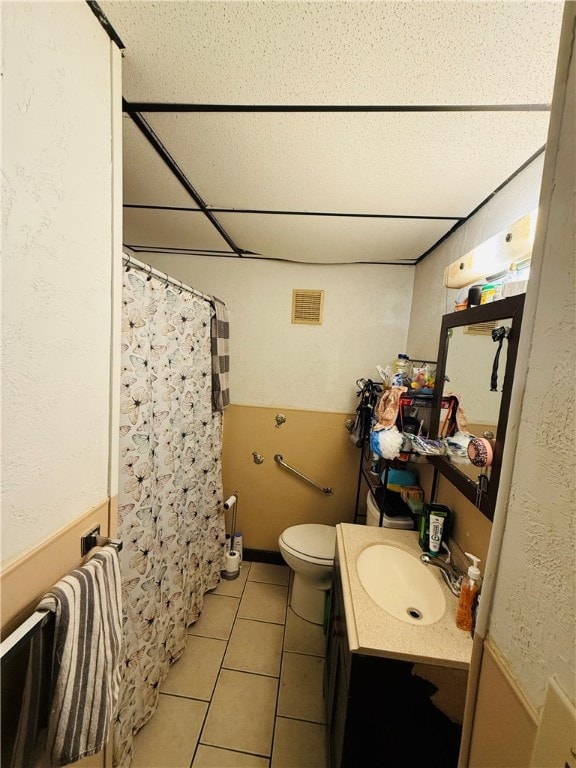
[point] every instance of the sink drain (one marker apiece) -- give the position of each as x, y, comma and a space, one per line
414, 613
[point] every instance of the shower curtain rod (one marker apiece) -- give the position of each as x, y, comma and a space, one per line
133, 263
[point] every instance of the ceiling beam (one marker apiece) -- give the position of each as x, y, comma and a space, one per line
105, 23
481, 205
268, 212
173, 166
147, 106
142, 248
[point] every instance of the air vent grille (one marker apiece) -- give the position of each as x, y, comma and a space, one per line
307, 306
481, 329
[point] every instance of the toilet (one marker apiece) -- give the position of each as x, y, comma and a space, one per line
309, 551
402, 522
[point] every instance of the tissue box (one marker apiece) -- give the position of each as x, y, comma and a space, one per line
514, 288
411, 492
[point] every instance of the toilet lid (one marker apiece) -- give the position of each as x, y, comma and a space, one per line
312, 540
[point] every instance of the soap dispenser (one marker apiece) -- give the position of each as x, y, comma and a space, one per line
469, 590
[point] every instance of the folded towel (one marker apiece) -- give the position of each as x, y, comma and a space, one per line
220, 359
86, 672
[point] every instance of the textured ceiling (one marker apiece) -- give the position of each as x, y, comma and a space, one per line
325, 132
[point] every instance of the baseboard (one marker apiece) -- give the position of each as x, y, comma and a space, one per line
262, 556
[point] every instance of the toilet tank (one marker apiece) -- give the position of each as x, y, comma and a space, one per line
373, 516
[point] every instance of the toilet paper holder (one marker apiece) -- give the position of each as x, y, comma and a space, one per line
231, 557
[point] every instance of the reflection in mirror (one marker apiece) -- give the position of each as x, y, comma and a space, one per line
470, 358
470, 367
476, 361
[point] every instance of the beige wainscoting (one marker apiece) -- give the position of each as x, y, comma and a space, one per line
505, 724
270, 498
24, 580
317, 444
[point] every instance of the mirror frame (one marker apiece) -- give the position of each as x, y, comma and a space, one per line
503, 309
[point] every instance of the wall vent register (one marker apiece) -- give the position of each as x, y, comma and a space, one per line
481, 329
307, 306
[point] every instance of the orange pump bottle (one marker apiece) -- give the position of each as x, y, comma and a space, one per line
469, 590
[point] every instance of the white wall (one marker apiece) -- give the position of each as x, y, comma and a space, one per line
275, 363
431, 300
57, 108
533, 621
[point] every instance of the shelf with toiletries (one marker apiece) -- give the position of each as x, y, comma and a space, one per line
501, 285
383, 481
460, 429
394, 498
417, 375
389, 471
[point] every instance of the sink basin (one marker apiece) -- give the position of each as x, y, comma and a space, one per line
401, 585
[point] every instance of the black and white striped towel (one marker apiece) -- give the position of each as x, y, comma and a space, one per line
87, 604
220, 360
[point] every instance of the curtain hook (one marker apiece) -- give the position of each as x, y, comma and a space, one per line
180, 289
149, 272
127, 266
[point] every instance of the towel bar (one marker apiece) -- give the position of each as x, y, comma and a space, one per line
280, 460
93, 539
40, 618
37, 620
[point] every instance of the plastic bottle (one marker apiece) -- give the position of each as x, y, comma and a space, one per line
511, 276
469, 590
238, 543
401, 371
487, 294
430, 376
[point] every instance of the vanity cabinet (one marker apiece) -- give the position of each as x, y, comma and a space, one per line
379, 710
336, 674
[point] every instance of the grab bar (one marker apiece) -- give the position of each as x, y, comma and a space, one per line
280, 460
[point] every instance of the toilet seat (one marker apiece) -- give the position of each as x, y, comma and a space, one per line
312, 542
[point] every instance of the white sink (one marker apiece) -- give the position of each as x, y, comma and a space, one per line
401, 585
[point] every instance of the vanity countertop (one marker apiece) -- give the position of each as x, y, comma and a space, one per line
372, 631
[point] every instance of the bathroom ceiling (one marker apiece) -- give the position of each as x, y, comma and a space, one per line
325, 132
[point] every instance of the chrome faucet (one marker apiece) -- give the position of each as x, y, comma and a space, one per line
450, 573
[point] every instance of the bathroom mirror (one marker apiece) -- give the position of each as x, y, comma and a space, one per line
476, 362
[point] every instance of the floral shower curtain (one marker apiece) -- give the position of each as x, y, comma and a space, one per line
170, 506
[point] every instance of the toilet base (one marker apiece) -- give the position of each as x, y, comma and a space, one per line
306, 600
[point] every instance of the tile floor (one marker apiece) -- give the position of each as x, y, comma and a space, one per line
247, 692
